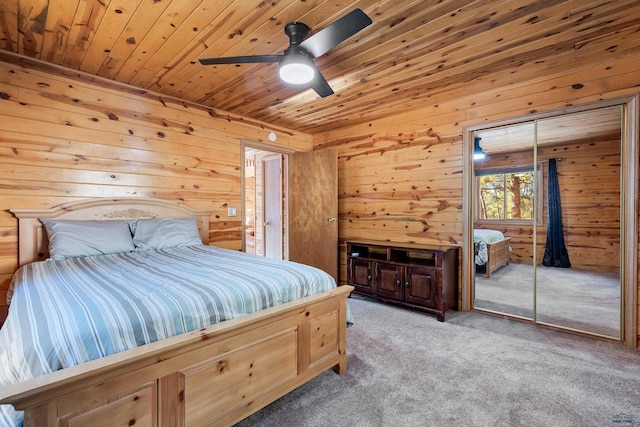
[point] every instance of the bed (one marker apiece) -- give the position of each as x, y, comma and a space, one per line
491, 249
192, 373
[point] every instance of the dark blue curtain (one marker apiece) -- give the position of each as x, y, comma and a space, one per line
555, 252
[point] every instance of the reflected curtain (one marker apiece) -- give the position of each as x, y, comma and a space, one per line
555, 251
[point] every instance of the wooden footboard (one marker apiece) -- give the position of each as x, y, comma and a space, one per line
498, 255
213, 376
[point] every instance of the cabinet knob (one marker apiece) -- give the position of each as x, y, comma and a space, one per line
407, 284
398, 282
369, 277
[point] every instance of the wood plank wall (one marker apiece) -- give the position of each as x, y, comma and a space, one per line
589, 180
400, 178
66, 136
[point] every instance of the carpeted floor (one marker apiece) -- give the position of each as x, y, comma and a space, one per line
566, 297
407, 369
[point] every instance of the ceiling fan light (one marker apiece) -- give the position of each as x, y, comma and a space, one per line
296, 73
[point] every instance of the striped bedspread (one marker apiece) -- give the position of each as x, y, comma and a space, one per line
67, 312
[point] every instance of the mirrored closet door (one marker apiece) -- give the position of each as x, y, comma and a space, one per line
505, 202
547, 221
578, 246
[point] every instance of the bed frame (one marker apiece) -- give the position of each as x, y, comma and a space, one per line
498, 253
213, 376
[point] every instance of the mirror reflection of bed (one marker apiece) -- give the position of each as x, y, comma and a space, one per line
510, 279
491, 250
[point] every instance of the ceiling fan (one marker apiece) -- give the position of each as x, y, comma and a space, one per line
296, 63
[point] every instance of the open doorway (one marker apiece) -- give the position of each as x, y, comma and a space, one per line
290, 205
265, 200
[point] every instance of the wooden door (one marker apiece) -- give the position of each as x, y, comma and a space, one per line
273, 204
313, 209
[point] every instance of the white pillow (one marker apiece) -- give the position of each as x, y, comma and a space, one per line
159, 233
71, 238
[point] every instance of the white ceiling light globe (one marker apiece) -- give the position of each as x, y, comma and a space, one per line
296, 73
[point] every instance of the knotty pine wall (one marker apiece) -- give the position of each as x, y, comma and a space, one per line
400, 178
65, 136
589, 182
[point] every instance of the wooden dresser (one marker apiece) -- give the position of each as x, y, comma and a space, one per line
418, 276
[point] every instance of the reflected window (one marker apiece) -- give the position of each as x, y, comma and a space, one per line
507, 195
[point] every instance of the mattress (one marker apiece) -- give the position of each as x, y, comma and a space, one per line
70, 311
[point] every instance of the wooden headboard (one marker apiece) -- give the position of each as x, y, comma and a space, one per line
33, 244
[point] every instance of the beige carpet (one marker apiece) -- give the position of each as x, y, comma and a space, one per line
566, 297
407, 369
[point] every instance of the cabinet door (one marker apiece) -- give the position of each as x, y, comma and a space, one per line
361, 275
420, 286
389, 281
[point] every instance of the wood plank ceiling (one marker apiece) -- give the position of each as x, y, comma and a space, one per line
415, 52
604, 124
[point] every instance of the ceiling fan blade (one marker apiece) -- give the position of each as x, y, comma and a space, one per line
320, 84
337, 32
241, 59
